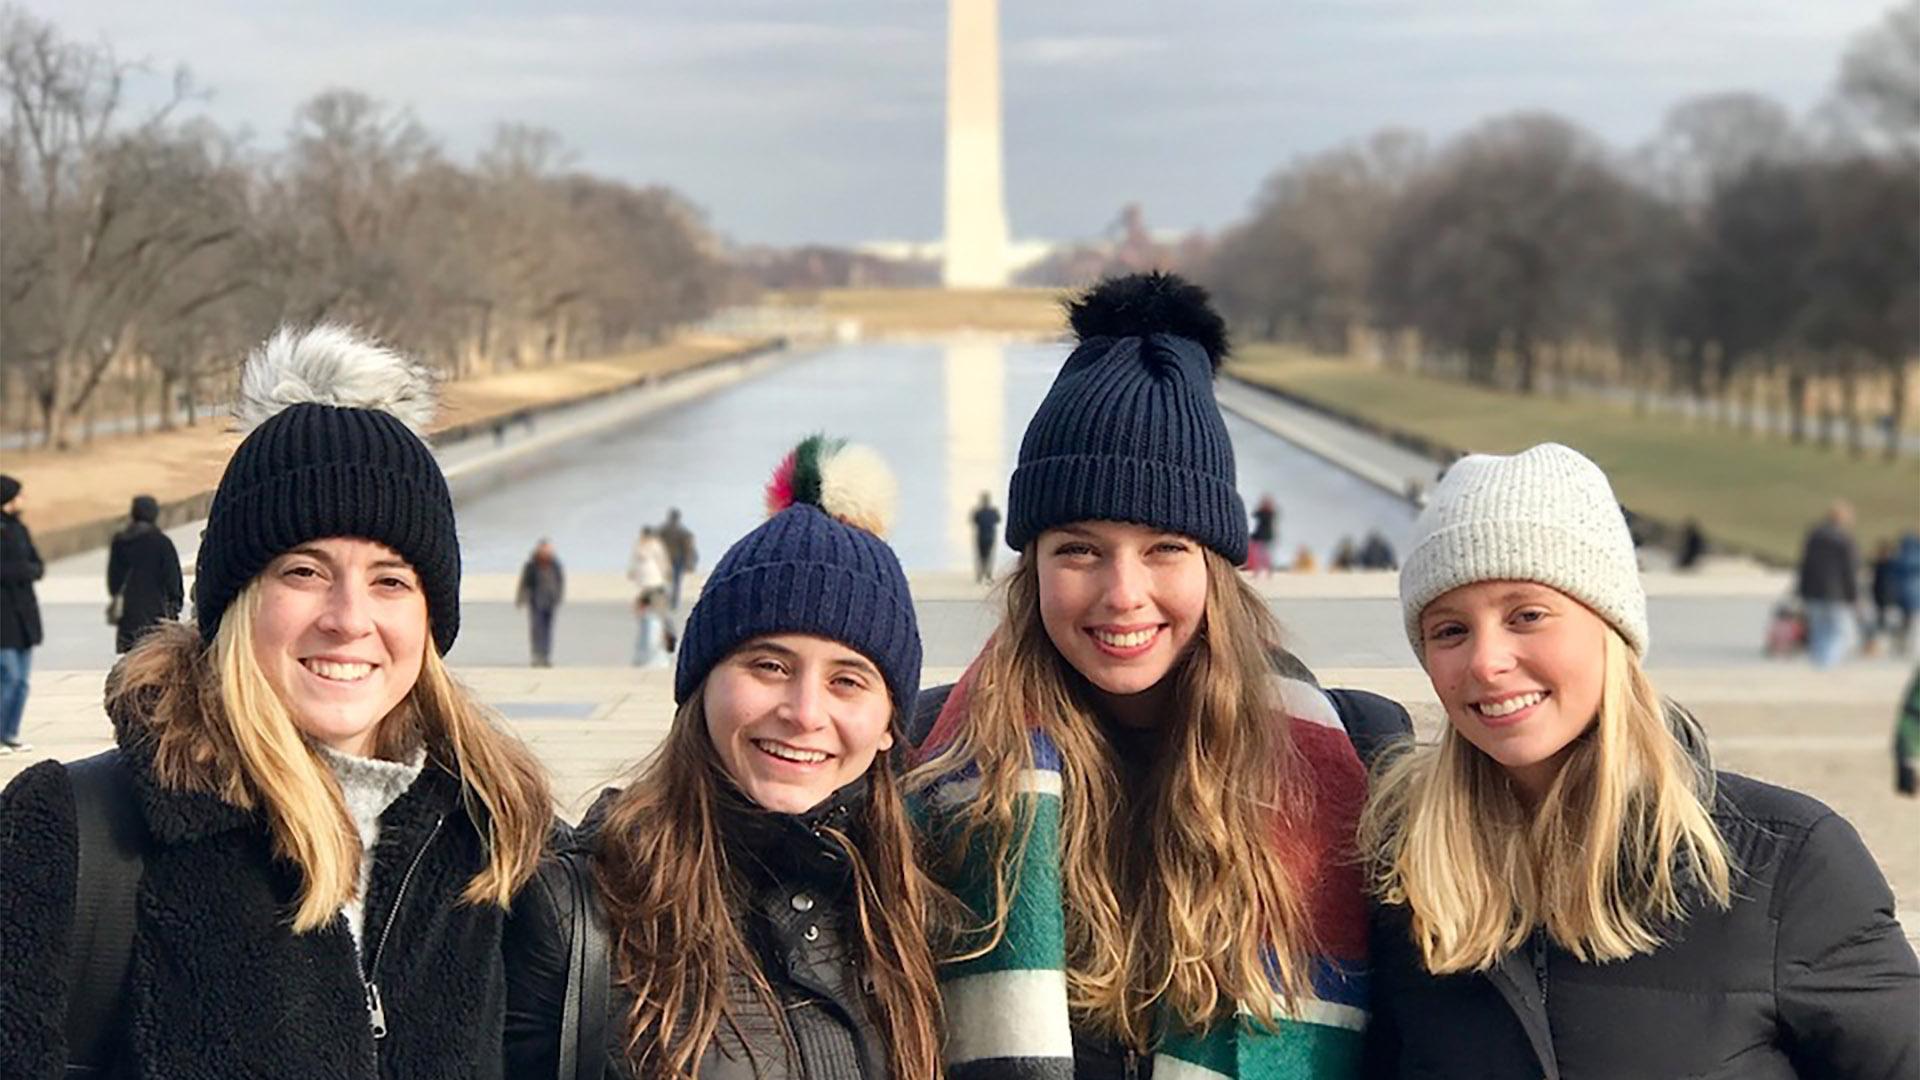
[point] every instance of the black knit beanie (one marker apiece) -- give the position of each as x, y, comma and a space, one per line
334, 450
1130, 430
816, 566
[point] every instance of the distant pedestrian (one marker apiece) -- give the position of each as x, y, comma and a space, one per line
1265, 532
1304, 562
1906, 740
1829, 585
1376, 553
1890, 620
1693, 547
20, 567
986, 535
1345, 557
648, 566
682, 556
143, 575
654, 642
543, 585
1908, 561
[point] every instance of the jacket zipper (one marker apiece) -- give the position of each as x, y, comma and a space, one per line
1540, 963
376, 1011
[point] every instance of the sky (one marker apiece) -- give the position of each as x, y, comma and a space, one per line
820, 121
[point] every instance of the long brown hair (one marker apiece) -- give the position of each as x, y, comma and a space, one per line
674, 900
218, 727
1208, 918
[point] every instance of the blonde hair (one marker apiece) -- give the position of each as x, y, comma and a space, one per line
673, 900
1607, 862
220, 728
1172, 907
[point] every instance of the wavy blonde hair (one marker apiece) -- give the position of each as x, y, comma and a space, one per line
673, 900
219, 727
1606, 863
1167, 903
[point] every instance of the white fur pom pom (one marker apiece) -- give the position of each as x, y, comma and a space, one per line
333, 365
857, 487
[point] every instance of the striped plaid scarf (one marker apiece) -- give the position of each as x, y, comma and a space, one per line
1006, 1012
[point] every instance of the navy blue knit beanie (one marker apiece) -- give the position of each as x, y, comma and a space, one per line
1130, 430
816, 566
334, 450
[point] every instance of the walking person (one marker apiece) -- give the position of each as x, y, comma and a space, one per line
1266, 532
543, 586
314, 830
1154, 846
756, 881
1566, 886
986, 534
143, 574
20, 630
1829, 585
682, 556
647, 565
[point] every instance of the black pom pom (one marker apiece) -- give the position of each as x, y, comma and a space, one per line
1156, 303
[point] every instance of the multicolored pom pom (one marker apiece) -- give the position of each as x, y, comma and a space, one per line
848, 481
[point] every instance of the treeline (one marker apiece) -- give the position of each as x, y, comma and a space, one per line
143, 254
1749, 263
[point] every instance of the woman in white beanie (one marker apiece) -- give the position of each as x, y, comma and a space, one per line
1566, 886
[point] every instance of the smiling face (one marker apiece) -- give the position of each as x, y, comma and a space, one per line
1121, 602
340, 635
795, 718
1519, 668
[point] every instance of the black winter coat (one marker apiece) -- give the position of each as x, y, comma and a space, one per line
1806, 976
799, 919
1829, 565
20, 567
143, 569
219, 984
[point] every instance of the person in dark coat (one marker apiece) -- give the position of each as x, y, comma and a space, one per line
757, 879
143, 572
543, 586
986, 534
1829, 585
682, 556
1566, 887
1891, 620
327, 828
20, 632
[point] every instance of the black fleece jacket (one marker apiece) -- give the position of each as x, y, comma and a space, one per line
219, 984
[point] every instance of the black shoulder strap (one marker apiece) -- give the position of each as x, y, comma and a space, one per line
583, 1016
112, 842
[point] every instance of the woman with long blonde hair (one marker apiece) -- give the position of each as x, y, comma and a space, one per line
1566, 886
325, 828
756, 882
1153, 847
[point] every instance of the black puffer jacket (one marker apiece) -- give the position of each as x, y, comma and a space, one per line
220, 986
20, 567
1806, 976
143, 569
800, 920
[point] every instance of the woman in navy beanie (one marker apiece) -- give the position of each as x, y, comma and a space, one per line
1155, 849
321, 828
757, 880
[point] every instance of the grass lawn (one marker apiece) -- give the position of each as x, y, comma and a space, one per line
1760, 494
932, 311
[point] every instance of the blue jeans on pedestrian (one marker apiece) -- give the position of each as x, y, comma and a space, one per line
14, 667
1827, 630
540, 629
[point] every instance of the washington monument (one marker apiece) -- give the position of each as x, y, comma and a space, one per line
975, 250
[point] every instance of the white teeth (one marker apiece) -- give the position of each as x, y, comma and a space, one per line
1125, 641
788, 753
327, 669
1509, 706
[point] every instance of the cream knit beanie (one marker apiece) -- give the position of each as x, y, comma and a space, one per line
1545, 515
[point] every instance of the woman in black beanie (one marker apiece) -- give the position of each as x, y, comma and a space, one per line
1155, 847
318, 830
757, 880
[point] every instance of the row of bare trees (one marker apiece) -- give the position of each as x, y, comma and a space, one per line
143, 250
1741, 259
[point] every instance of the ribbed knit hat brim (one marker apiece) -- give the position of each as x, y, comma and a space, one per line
1087, 487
